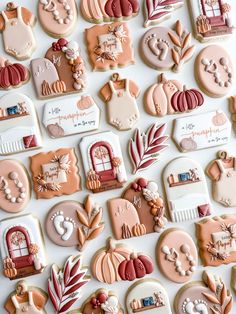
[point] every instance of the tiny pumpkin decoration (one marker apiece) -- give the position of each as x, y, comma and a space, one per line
92, 181
219, 119
59, 87
188, 144
137, 266
186, 100
12, 75
106, 262
55, 130
139, 230
85, 102
9, 269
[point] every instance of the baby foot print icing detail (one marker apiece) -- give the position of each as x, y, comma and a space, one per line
58, 219
190, 307
63, 225
68, 225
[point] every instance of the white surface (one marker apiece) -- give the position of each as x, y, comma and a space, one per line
144, 77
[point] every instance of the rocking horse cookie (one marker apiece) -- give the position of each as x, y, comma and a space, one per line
60, 72
22, 247
26, 299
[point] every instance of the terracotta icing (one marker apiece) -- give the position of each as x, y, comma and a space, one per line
232, 108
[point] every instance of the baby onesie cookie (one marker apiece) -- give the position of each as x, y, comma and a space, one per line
103, 301
26, 299
60, 72
170, 96
176, 255
19, 126
22, 247
214, 71
15, 188
109, 46
147, 296
211, 19
139, 211
145, 148
12, 75
103, 162
165, 49
99, 11
118, 262
158, 11
70, 223
55, 173
207, 296
65, 284
216, 240
186, 190
121, 106
16, 25
222, 172
201, 131
57, 17
70, 116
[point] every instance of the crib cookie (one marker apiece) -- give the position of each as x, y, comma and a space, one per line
214, 71
55, 173
158, 11
103, 162
22, 247
186, 190
70, 116
65, 284
57, 17
19, 126
103, 301
147, 296
216, 240
16, 25
145, 148
15, 188
70, 223
201, 131
165, 49
121, 106
27, 297
60, 72
99, 11
207, 296
170, 97
176, 255
118, 262
211, 20
109, 46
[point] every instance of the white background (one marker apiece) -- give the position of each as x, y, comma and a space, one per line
144, 77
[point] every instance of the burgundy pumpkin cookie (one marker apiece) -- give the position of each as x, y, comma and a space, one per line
176, 255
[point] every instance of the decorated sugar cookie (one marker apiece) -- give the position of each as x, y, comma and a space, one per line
139, 211
233, 278
16, 25
19, 126
98, 11
170, 96
26, 299
158, 11
118, 262
55, 173
60, 72
65, 284
202, 131
145, 148
109, 46
232, 108
57, 17
211, 19
214, 71
22, 247
15, 188
216, 240
186, 190
121, 106
70, 116
102, 301
70, 223
207, 296
176, 255
165, 49
103, 162
147, 296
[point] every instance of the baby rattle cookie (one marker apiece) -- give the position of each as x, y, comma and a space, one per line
16, 25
